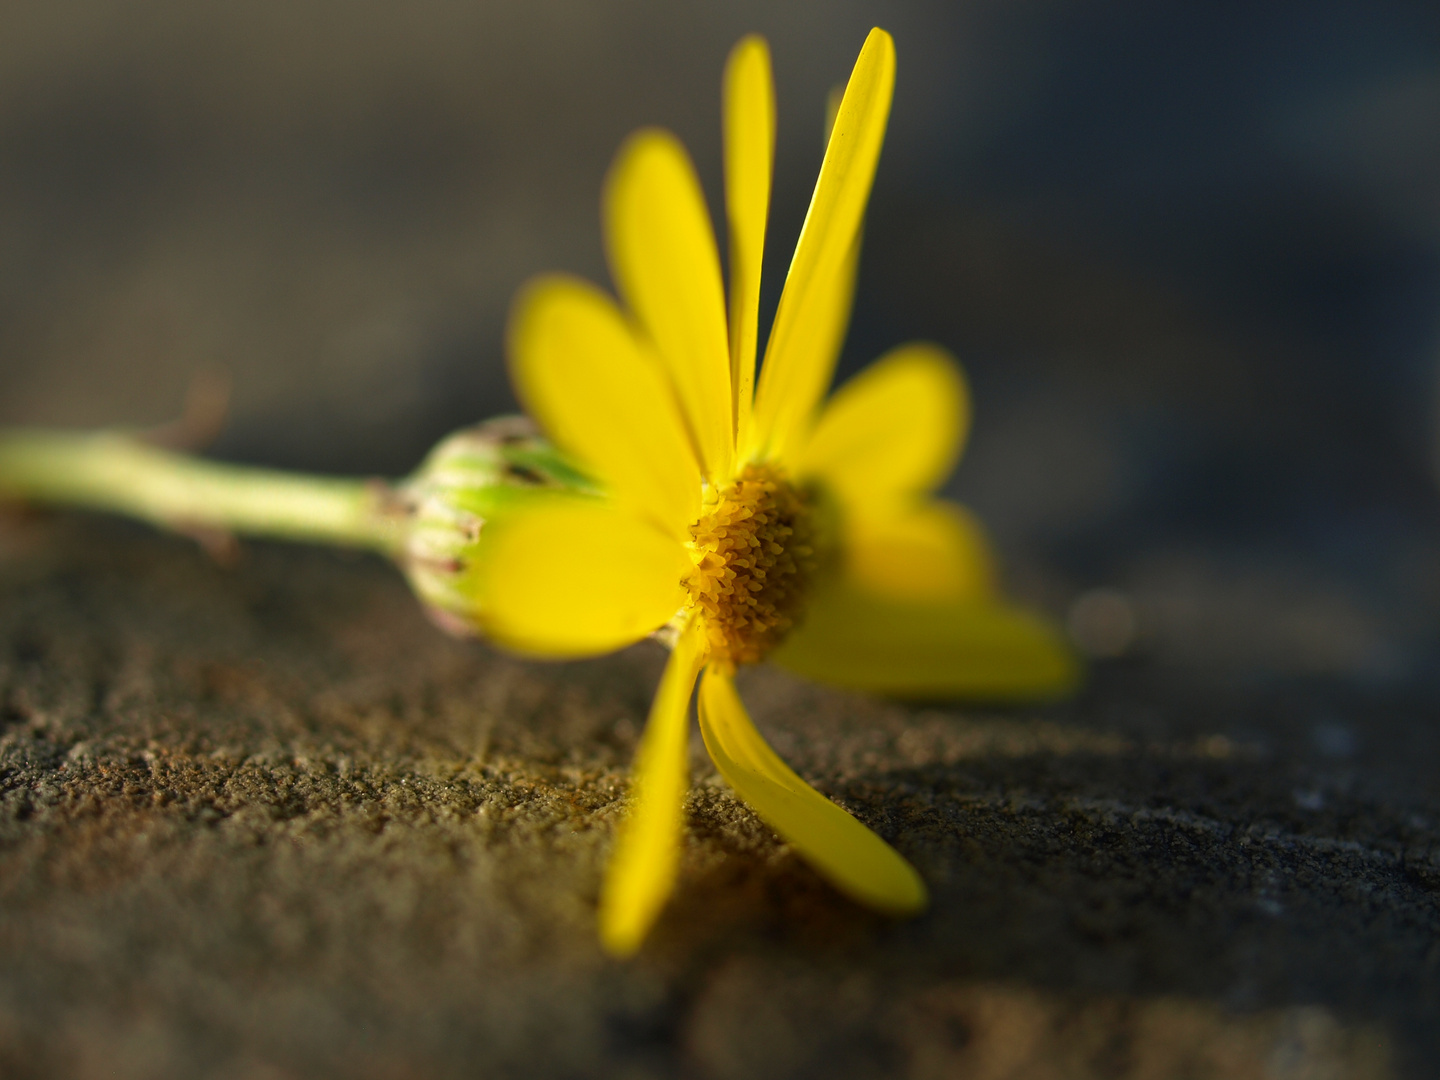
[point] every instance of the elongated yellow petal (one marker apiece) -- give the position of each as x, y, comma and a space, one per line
778, 428
925, 551
601, 394
894, 429
663, 255
570, 576
809, 323
983, 649
749, 163
641, 873
845, 852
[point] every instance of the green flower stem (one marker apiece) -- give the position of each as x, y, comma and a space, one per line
120, 473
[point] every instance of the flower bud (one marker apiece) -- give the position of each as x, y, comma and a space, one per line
471, 477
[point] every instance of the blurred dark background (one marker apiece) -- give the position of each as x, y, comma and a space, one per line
1189, 254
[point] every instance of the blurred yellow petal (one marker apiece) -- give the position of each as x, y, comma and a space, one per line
571, 576
845, 852
965, 648
778, 427
895, 428
931, 551
662, 253
641, 874
601, 395
749, 95
815, 305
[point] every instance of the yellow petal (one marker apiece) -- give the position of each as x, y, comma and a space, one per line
570, 576
602, 395
894, 429
928, 551
641, 873
983, 649
809, 323
749, 162
845, 852
662, 253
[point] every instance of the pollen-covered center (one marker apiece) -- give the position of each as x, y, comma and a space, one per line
754, 550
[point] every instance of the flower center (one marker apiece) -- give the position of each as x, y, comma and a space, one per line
754, 550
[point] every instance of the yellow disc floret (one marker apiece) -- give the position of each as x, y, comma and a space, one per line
754, 549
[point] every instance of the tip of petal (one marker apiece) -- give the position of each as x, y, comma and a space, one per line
879, 39
643, 143
905, 896
621, 932
748, 49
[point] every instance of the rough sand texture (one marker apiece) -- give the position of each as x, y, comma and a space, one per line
265, 822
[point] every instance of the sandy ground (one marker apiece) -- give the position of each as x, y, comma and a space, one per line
265, 822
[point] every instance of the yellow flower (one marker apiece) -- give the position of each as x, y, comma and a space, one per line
739, 522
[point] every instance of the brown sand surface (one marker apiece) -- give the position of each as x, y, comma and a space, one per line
267, 822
